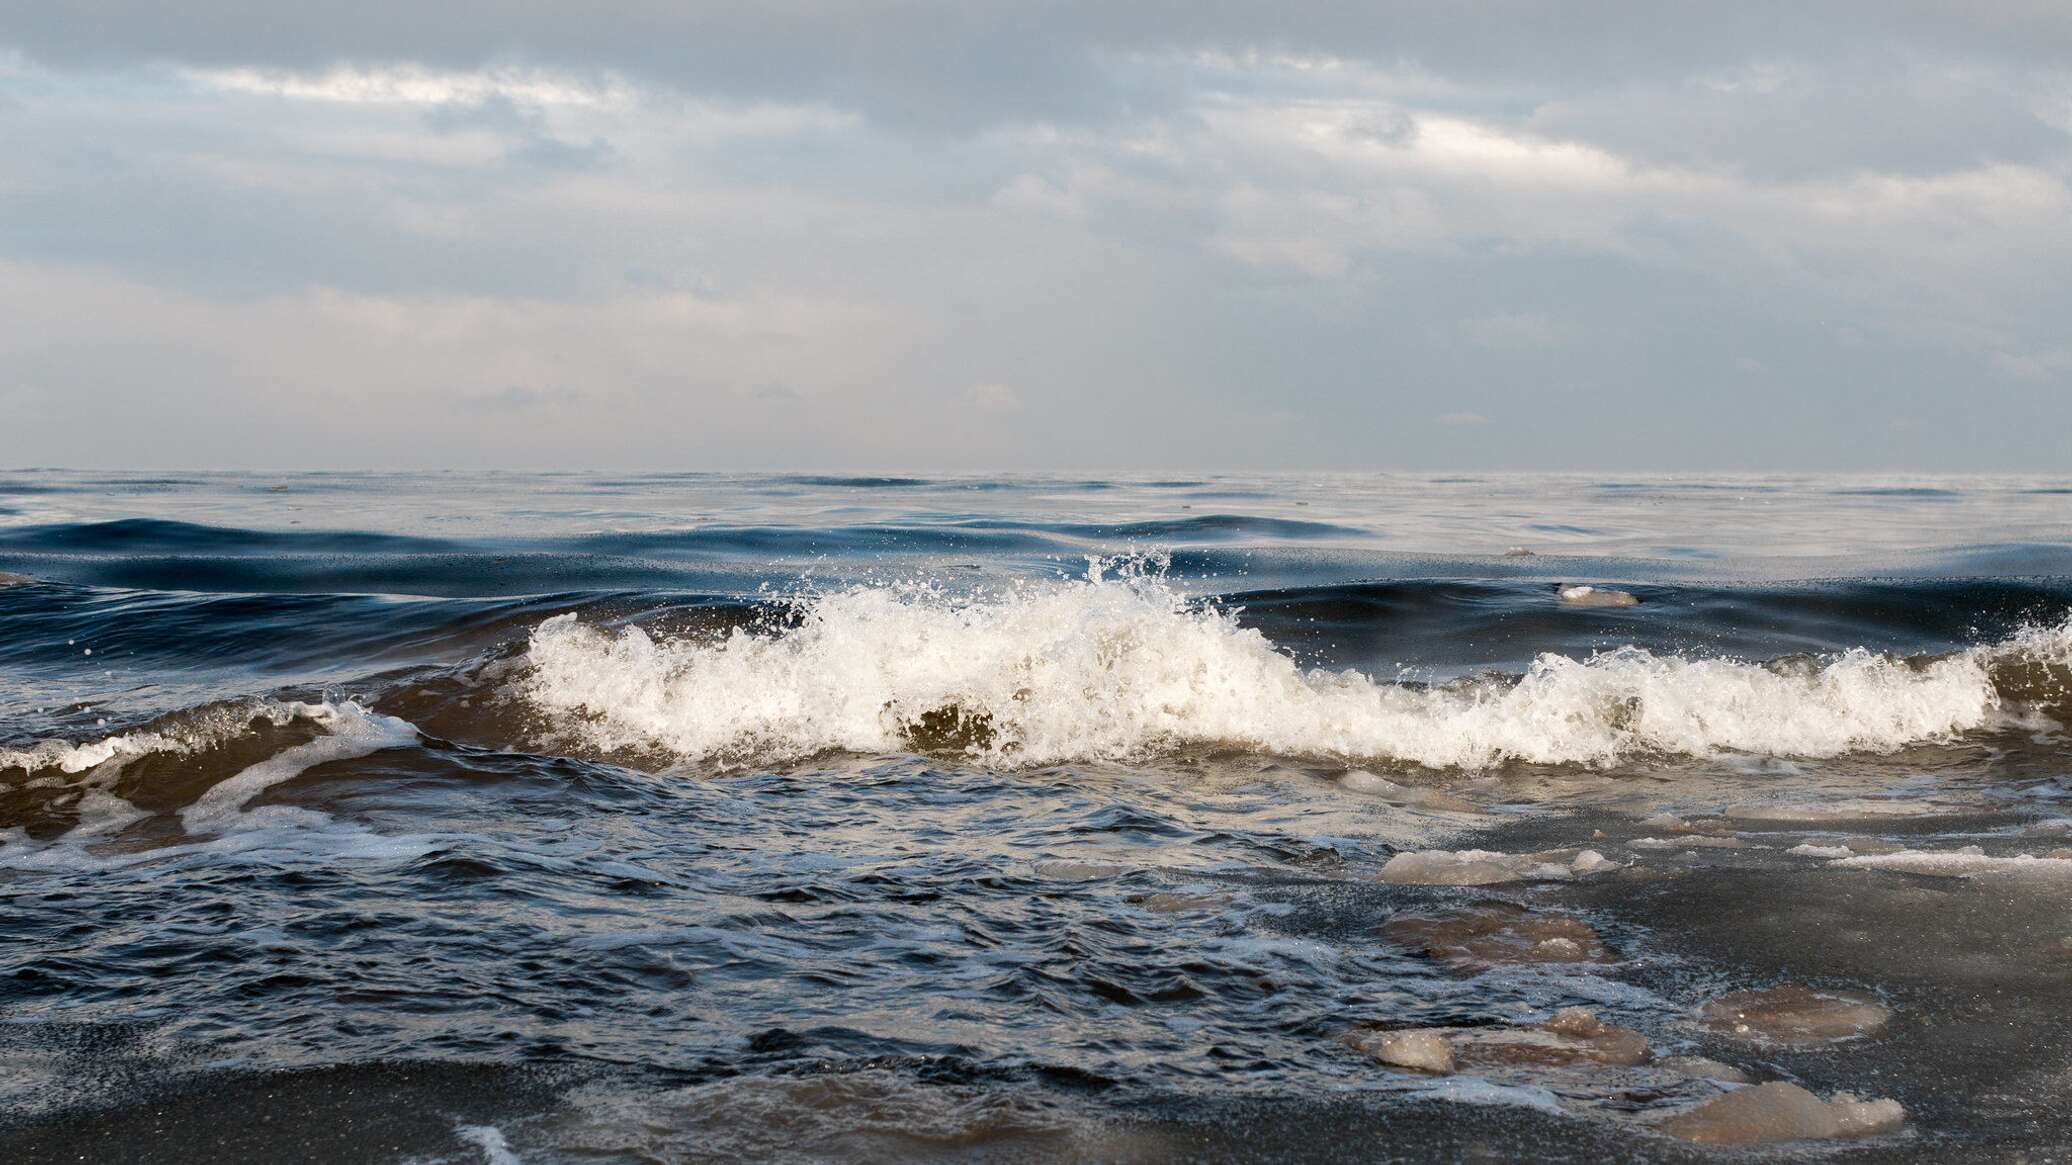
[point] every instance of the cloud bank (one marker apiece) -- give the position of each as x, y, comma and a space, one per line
912, 234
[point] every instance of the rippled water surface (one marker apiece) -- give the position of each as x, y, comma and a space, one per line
492, 817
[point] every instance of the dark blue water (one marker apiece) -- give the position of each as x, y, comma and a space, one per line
474, 817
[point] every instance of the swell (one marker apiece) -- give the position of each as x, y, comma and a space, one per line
1453, 627
272, 635
161, 554
712, 557
1199, 528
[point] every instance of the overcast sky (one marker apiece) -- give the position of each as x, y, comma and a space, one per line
1187, 234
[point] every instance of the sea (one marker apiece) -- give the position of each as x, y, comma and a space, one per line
710, 817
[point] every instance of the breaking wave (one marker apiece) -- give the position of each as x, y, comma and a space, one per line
1121, 666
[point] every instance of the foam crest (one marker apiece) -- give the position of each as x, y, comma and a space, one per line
1117, 668
219, 816
351, 732
192, 731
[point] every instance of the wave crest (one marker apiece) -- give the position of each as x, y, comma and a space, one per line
1116, 668
189, 731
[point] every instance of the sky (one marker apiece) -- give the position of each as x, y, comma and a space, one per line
1161, 234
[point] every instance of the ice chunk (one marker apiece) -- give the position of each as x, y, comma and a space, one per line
1865, 1118
1454, 868
1692, 843
1809, 850
1768, 1113
1586, 596
1481, 867
1969, 862
1419, 1051
1362, 781
1472, 867
1580, 1022
1589, 862
1499, 933
1572, 1036
1794, 1016
1703, 1068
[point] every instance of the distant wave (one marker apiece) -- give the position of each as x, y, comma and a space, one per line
1202, 527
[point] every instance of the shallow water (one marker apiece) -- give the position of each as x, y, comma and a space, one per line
489, 817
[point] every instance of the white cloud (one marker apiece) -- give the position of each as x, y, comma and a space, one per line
413, 85
1988, 195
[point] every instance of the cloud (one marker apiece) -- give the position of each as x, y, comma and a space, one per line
949, 63
775, 394
547, 153
2037, 367
992, 398
403, 84
1511, 330
329, 378
1461, 420
519, 399
1179, 219
19, 400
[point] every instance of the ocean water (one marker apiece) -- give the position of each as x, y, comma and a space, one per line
701, 817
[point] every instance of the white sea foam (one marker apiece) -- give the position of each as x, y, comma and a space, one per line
489, 1139
1115, 668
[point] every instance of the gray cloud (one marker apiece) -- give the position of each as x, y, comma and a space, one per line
520, 398
949, 62
1162, 234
